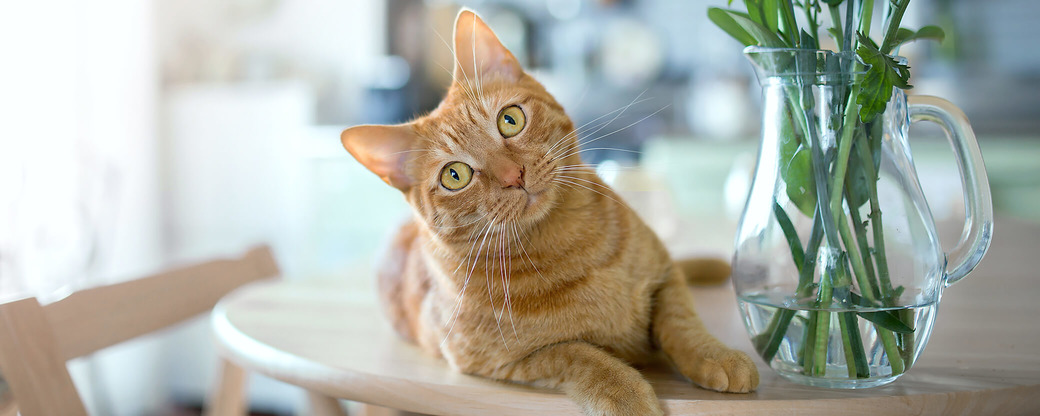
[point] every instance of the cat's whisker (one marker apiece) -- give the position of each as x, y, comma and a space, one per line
476, 72
473, 245
604, 125
465, 88
584, 91
457, 310
524, 251
505, 278
577, 131
587, 181
455, 57
600, 148
452, 227
592, 168
566, 181
491, 298
476, 231
410, 151
587, 142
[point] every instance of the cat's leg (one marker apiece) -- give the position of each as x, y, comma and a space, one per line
601, 384
402, 282
696, 353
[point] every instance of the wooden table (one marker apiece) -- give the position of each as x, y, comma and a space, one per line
330, 338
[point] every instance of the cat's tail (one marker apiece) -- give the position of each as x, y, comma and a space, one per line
704, 270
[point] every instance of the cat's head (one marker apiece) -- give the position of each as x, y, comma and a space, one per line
489, 153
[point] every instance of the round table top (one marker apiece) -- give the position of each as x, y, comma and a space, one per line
331, 337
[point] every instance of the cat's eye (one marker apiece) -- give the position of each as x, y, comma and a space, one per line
456, 175
511, 121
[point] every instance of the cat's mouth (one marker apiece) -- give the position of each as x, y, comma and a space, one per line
533, 198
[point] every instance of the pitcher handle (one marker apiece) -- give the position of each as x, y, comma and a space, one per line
978, 205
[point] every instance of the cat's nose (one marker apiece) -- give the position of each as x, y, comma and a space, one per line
512, 176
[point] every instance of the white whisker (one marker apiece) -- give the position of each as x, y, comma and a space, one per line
587, 142
599, 148
455, 57
587, 188
465, 283
622, 111
578, 130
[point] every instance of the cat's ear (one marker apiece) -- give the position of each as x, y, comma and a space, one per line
478, 52
384, 150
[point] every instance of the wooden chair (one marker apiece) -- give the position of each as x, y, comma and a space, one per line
36, 340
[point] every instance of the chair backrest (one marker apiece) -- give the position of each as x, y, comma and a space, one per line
36, 341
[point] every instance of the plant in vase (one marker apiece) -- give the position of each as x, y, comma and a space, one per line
834, 292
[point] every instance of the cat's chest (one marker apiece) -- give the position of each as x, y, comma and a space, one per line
479, 329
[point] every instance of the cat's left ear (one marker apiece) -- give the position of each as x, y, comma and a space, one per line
478, 52
384, 150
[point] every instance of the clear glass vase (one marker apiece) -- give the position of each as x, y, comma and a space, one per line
837, 266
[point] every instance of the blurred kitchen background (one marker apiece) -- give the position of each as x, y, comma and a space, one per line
136, 134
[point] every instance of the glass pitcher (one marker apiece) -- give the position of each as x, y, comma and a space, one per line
837, 267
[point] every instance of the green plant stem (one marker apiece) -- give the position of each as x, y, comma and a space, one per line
846, 343
812, 20
859, 356
768, 342
859, 228
869, 290
893, 26
836, 21
850, 38
888, 340
808, 341
907, 340
844, 148
823, 324
855, 357
866, 12
867, 161
789, 26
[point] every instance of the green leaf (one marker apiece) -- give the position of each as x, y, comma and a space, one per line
741, 27
797, 252
885, 319
931, 32
904, 35
725, 21
858, 186
771, 11
867, 41
798, 175
754, 11
808, 41
831, 2
876, 87
836, 34
800, 185
788, 24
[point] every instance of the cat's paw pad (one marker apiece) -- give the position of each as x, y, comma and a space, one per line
729, 371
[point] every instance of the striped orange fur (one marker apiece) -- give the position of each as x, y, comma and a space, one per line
548, 279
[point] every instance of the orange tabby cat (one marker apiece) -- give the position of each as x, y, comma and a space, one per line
520, 264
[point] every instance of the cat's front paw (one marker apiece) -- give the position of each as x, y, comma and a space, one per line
729, 371
622, 399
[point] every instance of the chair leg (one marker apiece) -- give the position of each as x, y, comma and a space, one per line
322, 405
229, 396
